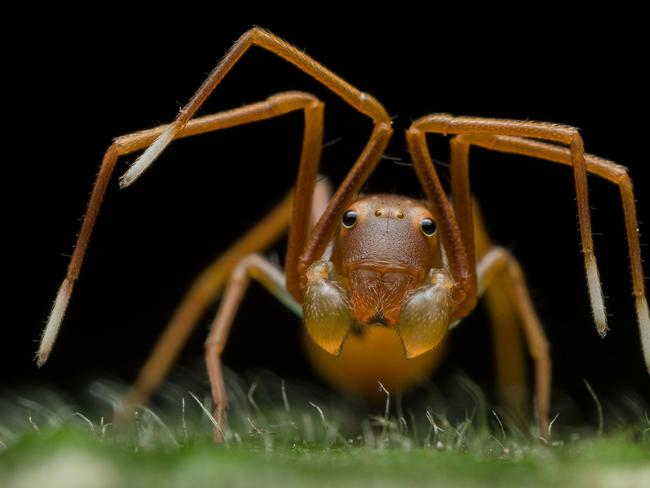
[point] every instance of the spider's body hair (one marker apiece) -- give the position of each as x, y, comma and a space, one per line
53, 323
148, 156
644, 328
596, 295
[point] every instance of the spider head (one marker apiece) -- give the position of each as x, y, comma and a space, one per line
384, 249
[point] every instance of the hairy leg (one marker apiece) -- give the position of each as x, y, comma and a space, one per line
303, 249
499, 268
507, 338
204, 291
256, 267
207, 288
463, 273
603, 168
274, 106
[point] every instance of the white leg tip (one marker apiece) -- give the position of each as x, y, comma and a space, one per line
644, 328
596, 295
53, 324
148, 157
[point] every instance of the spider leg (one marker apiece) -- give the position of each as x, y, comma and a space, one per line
603, 168
499, 268
203, 292
258, 268
303, 250
447, 124
264, 39
252, 266
274, 106
206, 289
507, 339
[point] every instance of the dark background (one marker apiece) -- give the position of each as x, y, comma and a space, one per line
78, 83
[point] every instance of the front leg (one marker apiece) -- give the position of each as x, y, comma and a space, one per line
475, 126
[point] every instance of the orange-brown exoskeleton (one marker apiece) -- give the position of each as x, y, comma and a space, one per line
378, 279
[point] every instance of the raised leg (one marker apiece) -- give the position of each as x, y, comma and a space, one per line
252, 266
499, 263
272, 107
447, 124
301, 252
256, 36
603, 168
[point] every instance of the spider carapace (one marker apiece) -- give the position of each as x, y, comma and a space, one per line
378, 279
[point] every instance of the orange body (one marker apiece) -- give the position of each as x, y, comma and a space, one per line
375, 353
379, 259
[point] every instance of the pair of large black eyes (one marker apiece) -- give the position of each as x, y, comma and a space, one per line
350, 218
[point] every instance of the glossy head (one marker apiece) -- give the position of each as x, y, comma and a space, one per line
384, 249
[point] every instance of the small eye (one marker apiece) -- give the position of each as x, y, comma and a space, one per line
349, 218
428, 227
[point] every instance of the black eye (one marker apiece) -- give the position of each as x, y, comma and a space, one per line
428, 227
349, 218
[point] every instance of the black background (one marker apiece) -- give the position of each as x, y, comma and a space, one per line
75, 84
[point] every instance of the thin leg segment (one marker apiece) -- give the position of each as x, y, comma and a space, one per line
259, 269
507, 337
497, 261
272, 107
203, 292
207, 287
362, 102
603, 168
446, 124
327, 224
301, 253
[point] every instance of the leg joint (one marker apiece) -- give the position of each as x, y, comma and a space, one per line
294, 100
214, 346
